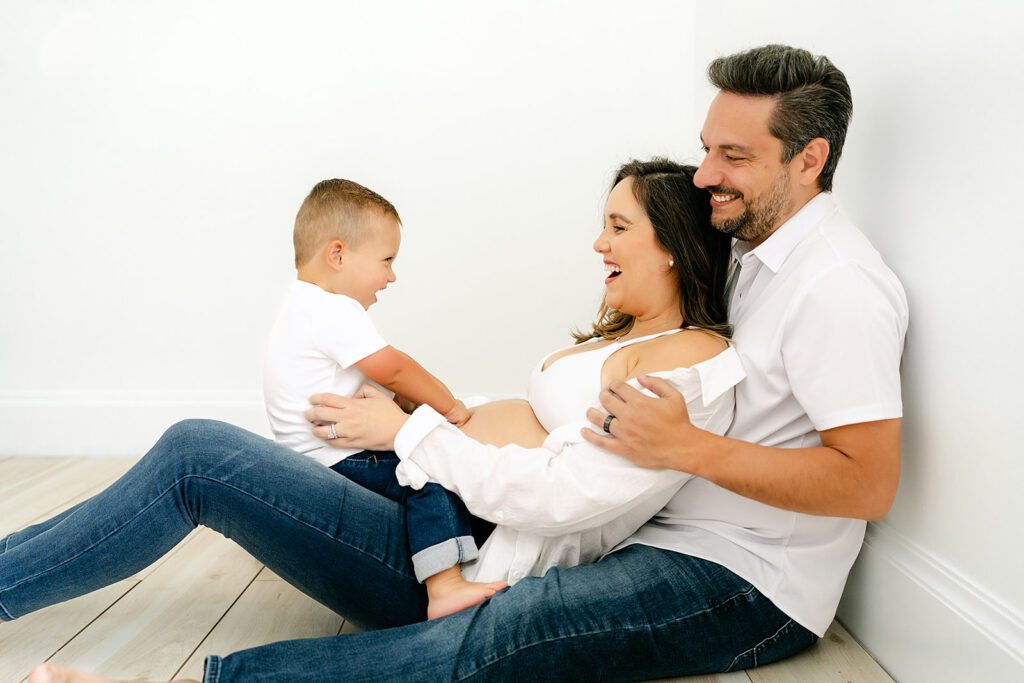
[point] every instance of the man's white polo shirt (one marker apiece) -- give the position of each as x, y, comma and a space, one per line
819, 325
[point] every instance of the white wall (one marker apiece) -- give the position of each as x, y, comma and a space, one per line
932, 172
154, 155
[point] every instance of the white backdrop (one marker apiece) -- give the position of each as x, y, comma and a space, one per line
154, 155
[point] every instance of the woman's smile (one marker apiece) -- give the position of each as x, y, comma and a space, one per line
613, 270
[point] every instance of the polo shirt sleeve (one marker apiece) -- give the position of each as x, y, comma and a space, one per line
842, 342
343, 331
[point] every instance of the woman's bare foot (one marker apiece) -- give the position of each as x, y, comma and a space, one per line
448, 593
48, 673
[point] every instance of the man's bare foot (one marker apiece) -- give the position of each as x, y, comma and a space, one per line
48, 673
448, 592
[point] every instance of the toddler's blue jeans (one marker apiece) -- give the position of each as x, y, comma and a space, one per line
639, 613
439, 526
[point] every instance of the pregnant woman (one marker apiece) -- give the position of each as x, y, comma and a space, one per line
644, 610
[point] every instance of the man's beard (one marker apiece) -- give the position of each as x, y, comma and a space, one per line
760, 215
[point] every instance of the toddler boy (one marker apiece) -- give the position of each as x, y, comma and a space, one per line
346, 240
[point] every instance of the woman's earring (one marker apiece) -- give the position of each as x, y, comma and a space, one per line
671, 263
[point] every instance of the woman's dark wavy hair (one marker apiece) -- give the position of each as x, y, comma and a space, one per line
681, 216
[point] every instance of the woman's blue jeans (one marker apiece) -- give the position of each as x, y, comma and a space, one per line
638, 613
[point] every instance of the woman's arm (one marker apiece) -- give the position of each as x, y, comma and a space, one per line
532, 489
535, 489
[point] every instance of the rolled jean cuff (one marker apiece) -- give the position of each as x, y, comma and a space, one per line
211, 669
443, 555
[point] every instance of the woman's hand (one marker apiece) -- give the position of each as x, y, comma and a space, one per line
369, 420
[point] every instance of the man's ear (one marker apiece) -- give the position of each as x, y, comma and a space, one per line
811, 160
334, 254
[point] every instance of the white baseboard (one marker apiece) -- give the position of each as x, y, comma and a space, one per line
924, 621
108, 427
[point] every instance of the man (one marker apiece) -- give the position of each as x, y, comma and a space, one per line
819, 323
746, 563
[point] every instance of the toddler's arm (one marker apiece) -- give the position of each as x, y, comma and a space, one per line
396, 371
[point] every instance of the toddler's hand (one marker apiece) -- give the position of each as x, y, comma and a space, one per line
459, 414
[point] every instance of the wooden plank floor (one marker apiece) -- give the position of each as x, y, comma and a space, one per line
210, 596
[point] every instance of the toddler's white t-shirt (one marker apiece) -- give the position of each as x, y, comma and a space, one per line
316, 340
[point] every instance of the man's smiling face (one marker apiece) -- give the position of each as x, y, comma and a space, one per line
751, 189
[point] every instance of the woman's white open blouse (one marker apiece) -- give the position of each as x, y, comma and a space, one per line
568, 502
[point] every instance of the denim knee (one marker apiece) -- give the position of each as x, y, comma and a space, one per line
195, 430
193, 444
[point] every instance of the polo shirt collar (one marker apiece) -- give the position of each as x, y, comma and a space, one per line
774, 251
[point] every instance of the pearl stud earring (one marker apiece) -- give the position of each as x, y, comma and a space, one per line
671, 263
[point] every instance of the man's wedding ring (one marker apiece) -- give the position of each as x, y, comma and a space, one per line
608, 424
332, 433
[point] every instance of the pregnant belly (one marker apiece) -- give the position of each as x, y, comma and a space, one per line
503, 422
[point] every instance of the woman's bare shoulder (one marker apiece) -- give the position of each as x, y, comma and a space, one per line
679, 350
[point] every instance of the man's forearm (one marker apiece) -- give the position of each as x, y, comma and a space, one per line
821, 481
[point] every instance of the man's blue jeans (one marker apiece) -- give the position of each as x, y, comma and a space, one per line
638, 613
439, 526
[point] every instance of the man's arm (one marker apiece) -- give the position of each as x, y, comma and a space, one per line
393, 369
854, 473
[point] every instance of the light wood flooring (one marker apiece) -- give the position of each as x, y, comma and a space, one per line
210, 596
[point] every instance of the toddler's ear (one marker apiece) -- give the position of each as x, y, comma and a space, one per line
334, 253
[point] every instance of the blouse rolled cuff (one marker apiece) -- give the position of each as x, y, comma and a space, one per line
422, 421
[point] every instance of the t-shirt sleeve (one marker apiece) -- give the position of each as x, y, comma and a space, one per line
842, 345
343, 331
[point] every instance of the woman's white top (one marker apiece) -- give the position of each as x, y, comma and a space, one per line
567, 502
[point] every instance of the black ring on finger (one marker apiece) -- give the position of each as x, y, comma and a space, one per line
608, 424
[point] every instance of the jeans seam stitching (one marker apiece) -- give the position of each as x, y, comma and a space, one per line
620, 629
104, 538
758, 645
194, 524
305, 524
7, 616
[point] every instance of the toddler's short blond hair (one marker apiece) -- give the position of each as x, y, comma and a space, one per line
336, 209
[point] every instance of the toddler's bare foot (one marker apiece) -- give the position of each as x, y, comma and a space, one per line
48, 673
449, 593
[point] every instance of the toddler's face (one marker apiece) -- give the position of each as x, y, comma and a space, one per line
368, 268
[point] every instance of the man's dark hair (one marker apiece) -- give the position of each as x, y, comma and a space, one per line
812, 97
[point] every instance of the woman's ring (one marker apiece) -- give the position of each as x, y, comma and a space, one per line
608, 424
332, 433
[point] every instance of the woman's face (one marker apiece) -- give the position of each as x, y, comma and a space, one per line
639, 280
